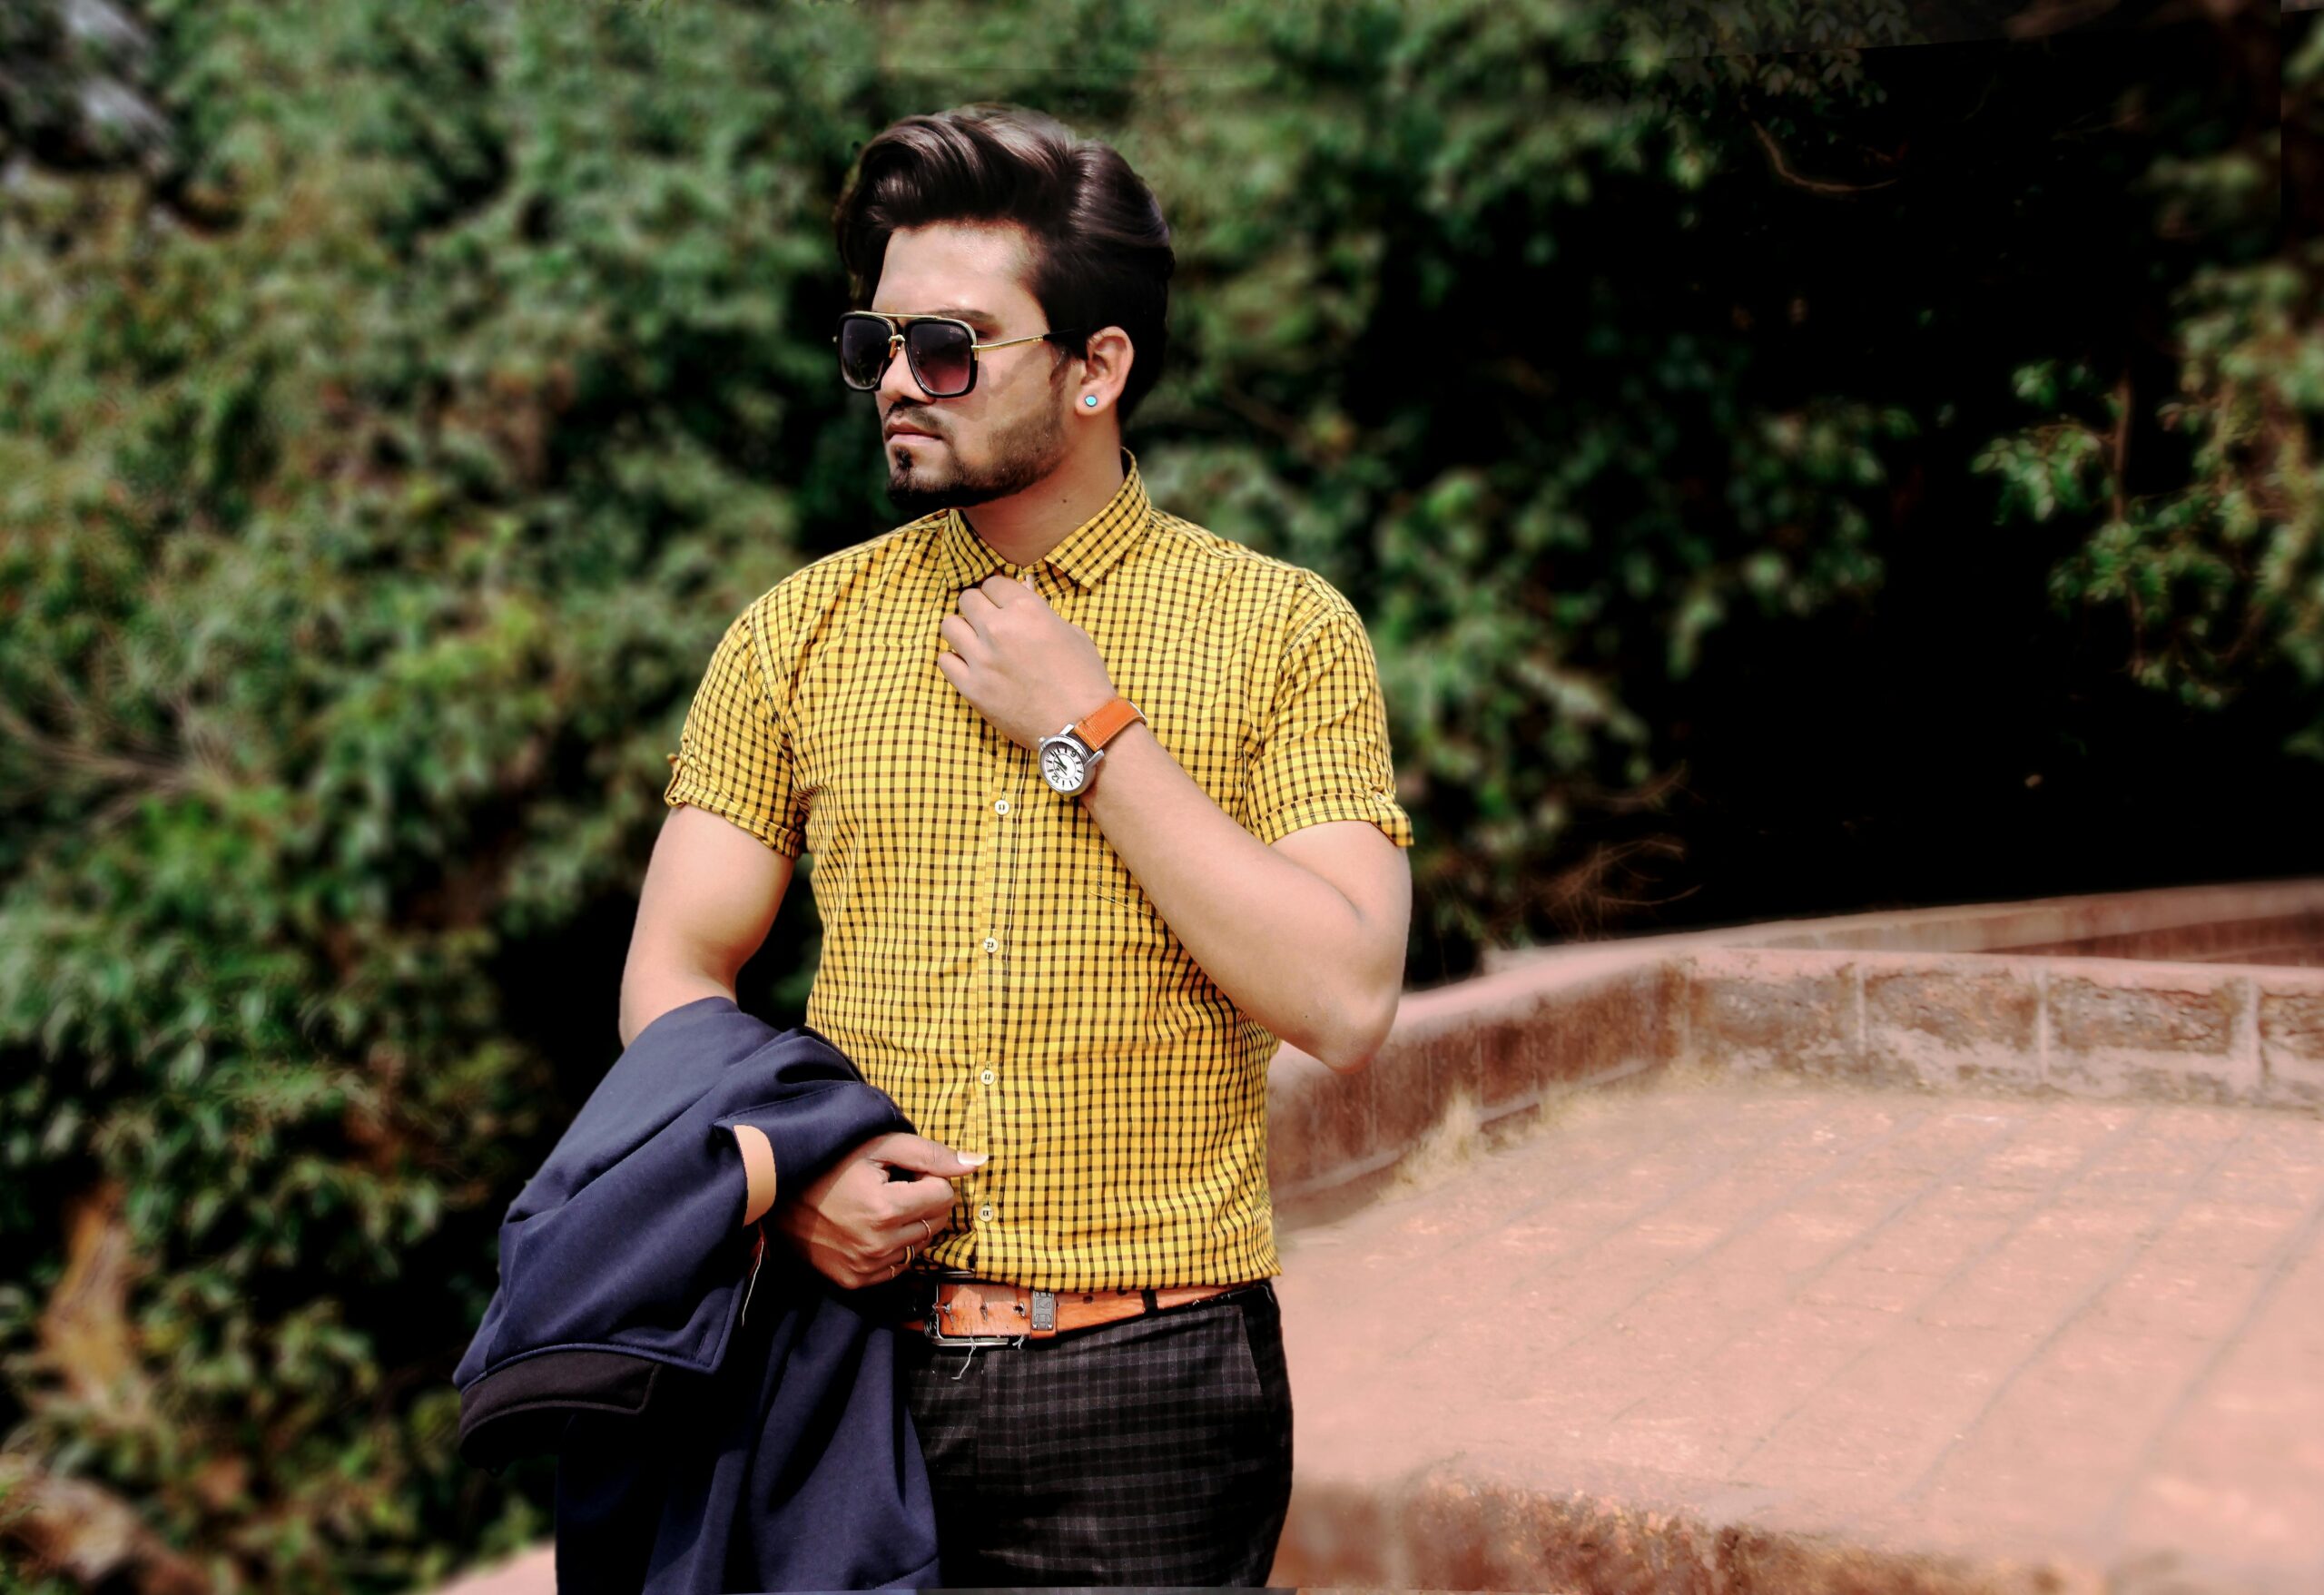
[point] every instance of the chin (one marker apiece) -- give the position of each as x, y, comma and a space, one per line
913, 495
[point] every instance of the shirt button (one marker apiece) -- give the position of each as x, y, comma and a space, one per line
986, 1076
984, 1212
1001, 807
990, 945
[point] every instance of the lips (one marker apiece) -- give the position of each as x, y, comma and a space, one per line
902, 430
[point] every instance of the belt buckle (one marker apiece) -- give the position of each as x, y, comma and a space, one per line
1044, 1317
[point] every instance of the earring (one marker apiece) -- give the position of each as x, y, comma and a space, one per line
1090, 399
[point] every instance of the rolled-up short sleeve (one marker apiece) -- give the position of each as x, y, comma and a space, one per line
735, 753
1323, 751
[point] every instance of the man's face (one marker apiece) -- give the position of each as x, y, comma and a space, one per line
1008, 431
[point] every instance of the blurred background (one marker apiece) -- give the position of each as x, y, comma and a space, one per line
1792, 458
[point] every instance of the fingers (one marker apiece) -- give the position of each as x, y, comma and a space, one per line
875, 1225
877, 1267
916, 1200
921, 1214
854, 1259
922, 1230
912, 1231
857, 1227
903, 1149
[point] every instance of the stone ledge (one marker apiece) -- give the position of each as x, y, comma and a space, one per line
2177, 923
1826, 999
2246, 1035
1455, 1526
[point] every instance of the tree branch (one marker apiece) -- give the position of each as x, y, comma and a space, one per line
1813, 184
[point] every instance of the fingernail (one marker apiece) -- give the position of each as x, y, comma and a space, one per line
973, 1158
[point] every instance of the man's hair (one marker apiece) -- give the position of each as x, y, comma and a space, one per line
1100, 250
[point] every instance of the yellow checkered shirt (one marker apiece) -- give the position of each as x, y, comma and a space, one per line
988, 959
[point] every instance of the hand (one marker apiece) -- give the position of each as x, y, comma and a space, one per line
853, 1223
1026, 667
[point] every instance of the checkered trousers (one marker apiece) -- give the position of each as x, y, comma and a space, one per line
1154, 1451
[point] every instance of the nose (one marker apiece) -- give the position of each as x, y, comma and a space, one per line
897, 383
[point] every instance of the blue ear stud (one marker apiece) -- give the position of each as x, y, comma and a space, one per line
1090, 399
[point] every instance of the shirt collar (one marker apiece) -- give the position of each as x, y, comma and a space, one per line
1085, 554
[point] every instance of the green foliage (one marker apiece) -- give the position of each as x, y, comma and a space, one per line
381, 452
368, 516
1531, 440
2220, 568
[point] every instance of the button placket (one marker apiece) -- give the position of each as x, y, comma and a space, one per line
1001, 857
993, 866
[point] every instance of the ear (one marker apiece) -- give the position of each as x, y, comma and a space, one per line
1105, 369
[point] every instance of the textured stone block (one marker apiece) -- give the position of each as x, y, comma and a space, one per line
2291, 1046
1414, 1083
2161, 1031
1775, 1012
1962, 1025
1509, 1052
1584, 1031
1318, 1121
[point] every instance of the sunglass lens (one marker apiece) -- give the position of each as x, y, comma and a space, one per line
940, 355
862, 350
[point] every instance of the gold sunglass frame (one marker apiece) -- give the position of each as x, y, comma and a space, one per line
897, 325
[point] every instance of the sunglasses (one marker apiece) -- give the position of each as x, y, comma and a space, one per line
941, 351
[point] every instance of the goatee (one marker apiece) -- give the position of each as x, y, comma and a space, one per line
924, 477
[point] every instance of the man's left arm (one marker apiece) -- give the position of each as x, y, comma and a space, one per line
1303, 925
1300, 919
1307, 935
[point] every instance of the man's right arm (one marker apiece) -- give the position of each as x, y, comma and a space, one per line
709, 897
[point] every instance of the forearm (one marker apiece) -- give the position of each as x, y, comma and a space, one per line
758, 1171
650, 987
1277, 939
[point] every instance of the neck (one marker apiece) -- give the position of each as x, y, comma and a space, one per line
1024, 526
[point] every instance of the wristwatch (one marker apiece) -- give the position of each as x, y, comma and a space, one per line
1070, 759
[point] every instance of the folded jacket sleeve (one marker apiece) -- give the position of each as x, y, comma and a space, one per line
1323, 751
735, 756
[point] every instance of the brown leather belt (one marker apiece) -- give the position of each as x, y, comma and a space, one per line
959, 1311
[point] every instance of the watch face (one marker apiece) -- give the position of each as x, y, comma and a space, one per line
1063, 765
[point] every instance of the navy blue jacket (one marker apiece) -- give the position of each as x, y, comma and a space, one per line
725, 1417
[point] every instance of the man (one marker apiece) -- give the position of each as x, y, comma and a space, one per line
1102, 808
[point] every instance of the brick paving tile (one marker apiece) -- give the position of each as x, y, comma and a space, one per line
2063, 1438
1713, 1414
2240, 1451
2086, 1333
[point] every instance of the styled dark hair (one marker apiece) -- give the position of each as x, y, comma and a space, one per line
1100, 252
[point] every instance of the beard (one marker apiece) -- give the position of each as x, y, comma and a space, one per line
924, 477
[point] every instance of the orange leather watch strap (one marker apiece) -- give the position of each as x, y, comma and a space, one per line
1107, 722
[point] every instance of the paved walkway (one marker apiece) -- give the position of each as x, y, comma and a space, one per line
1713, 1334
